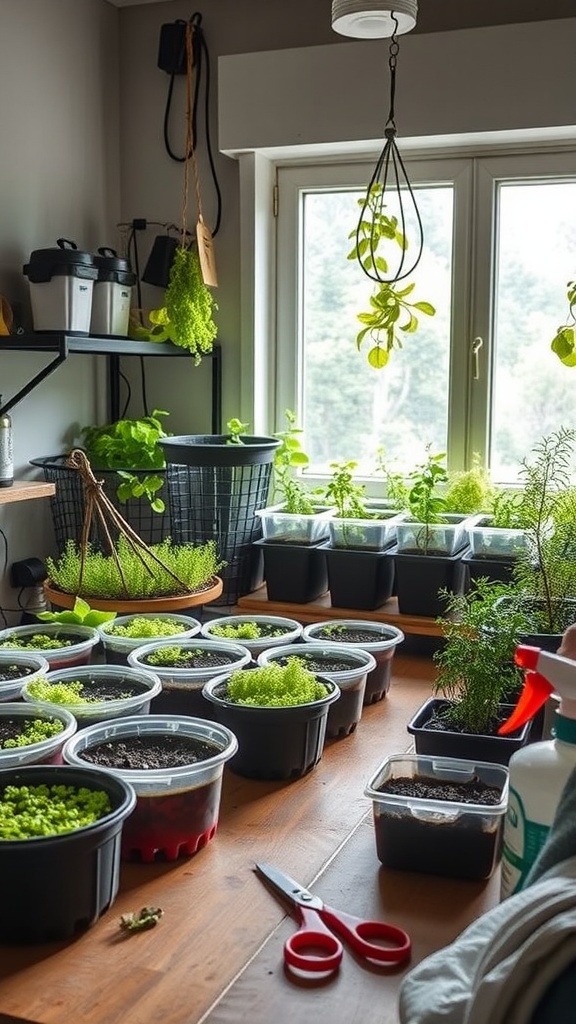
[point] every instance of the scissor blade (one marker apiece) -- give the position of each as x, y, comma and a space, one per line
289, 888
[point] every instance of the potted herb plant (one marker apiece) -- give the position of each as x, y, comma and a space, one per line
60, 644
377, 638
256, 632
476, 682
345, 666
439, 815
175, 766
33, 735
166, 577
278, 714
63, 824
95, 693
15, 668
125, 633
183, 666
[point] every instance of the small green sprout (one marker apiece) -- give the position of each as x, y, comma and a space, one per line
275, 685
34, 731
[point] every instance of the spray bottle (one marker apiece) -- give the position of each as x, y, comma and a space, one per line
539, 771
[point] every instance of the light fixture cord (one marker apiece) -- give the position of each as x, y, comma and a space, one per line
379, 187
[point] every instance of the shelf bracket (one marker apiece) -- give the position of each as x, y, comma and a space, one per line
37, 379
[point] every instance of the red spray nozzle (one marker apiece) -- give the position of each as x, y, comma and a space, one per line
526, 656
536, 691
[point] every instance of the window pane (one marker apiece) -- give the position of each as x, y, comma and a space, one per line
350, 410
533, 392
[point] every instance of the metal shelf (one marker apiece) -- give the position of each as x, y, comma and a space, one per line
63, 345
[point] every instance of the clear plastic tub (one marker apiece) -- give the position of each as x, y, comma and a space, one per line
446, 837
378, 638
78, 651
366, 534
117, 648
31, 666
446, 538
182, 687
276, 629
294, 527
487, 541
329, 660
91, 712
177, 808
47, 751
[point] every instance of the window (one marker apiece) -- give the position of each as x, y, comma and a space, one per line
499, 249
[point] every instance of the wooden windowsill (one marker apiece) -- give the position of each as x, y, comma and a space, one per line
25, 490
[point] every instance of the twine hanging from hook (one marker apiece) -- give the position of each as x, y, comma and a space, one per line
389, 181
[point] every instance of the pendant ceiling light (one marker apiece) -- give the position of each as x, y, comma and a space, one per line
373, 19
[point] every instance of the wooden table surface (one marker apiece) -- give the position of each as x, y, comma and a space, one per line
216, 954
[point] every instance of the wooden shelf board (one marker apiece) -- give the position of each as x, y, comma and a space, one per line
25, 490
317, 611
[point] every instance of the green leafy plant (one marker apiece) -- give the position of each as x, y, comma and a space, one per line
144, 628
275, 685
171, 657
470, 490
36, 642
186, 318
236, 428
65, 694
30, 811
394, 482
476, 670
506, 509
34, 731
391, 314
81, 614
563, 343
165, 569
346, 495
130, 445
290, 457
243, 631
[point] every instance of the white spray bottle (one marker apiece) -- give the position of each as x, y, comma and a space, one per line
539, 771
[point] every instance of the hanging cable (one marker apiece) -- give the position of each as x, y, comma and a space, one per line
389, 180
200, 58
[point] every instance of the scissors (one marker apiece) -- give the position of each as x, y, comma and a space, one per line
374, 941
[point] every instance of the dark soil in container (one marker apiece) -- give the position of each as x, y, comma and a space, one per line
200, 658
459, 848
265, 631
42, 641
378, 681
347, 635
109, 689
12, 728
439, 723
321, 662
141, 753
8, 672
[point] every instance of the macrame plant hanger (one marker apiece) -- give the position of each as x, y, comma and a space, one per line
389, 181
98, 505
203, 234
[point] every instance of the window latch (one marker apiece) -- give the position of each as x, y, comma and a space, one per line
476, 346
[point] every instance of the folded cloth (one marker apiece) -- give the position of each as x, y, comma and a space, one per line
504, 967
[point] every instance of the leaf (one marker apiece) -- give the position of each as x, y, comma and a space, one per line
96, 618
425, 307
378, 357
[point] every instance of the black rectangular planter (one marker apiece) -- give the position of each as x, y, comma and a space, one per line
359, 579
497, 569
295, 573
419, 578
463, 745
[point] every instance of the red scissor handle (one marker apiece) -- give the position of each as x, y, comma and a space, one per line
313, 935
373, 940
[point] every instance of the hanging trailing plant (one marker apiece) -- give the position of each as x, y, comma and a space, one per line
563, 343
186, 317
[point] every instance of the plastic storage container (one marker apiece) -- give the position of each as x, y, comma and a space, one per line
177, 808
182, 687
446, 837
83, 866
112, 294
22, 667
366, 534
276, 631
279, 526
446, 538
346, 666
61, 287
46, 751
80, 642
90, 712
117, 648
377, 638
495, 542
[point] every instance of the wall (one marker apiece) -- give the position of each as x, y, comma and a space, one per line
58, 177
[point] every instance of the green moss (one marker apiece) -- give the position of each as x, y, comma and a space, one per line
275, 685
144, 628
30, 811
34, 732
244, 631
168, 656
36, 642
58, 693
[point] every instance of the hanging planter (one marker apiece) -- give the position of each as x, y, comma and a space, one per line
186, 317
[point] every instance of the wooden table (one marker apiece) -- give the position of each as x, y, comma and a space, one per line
216, 955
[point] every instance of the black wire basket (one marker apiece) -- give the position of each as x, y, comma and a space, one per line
69, 503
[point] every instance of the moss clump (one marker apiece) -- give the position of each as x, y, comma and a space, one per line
58, 693
30, 811
143, 628
275, 685
36, 642
34, 731
169, 657
244, 631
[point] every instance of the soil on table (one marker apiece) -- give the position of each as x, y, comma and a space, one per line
321, 663
194, 659
149, 752
8, 672
12, 728
473, 791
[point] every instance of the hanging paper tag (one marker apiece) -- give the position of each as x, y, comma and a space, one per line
206, 254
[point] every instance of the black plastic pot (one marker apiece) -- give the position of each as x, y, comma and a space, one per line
359, 579
214, 489
497, 569
273, 742
419, 578
466, 746
294, 573
57, 886
377, 638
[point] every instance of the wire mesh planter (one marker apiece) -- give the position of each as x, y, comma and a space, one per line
214, 488
68, 504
